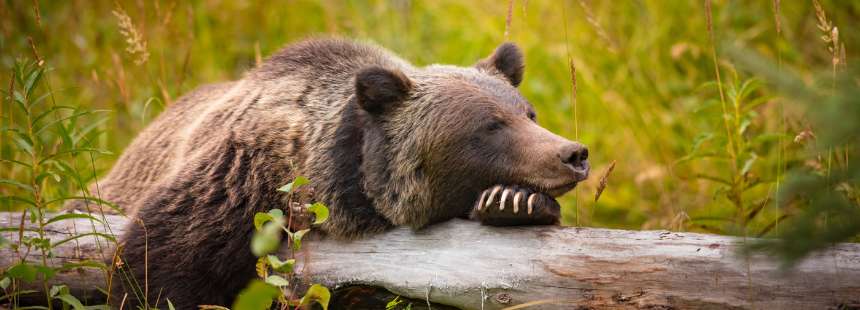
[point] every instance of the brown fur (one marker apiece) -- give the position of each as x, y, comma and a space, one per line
383, 142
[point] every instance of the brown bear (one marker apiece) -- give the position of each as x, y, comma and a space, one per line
384, 143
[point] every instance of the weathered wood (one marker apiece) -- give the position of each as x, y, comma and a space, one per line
463, 264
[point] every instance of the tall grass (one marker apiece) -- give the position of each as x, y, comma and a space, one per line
646, 91
49, 143
701, 138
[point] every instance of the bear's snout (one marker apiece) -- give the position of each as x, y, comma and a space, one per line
575, 156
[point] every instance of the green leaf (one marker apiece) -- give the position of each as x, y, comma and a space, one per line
103, 235
19, 99
20, 292
295, 184
317, 293
257, 296
261, 218
393, 303
48, 272
170, 305
88, 263
33, 80
67, 216
17, 162
47, 111
748, 164
276, 213
55, 121
297, 238
17, 184
320, 212
72, 301
18, 199
5, 282
93, 200
267, 240
277, 280
24, 144
56, 289
23, 271
279, 265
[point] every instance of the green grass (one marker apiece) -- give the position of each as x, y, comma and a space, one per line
646, 90
717, 120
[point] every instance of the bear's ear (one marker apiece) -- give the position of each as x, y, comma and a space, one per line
507, 60
378, 89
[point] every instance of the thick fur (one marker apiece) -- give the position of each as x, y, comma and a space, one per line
384, 143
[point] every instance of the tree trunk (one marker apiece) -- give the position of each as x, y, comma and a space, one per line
466, 265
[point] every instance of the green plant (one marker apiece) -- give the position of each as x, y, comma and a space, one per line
41, 171
827, 196
277, 274
733, 144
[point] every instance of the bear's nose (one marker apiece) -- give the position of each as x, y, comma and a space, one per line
575, 156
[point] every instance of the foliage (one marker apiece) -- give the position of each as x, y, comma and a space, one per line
644, 78
276, 274
42, 169
829, 189
764, 147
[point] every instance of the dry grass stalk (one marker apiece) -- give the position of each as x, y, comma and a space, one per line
829, 34
780, 162
573, 97
508, 19
168, 17
11, 100
133, 38
601, 32
776, 20
165, 95
119, 78
37, 12
39, 61
804, 136
604, 180
258, 55
525, 5
711, 36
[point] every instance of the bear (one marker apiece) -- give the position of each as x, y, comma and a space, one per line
383, 142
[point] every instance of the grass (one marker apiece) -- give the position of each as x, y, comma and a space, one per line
642, 74
695, 139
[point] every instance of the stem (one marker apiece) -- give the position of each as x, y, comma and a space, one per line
781, 110
37, 195
572, 101
736, 187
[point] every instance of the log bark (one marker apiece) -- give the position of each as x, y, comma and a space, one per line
463, 264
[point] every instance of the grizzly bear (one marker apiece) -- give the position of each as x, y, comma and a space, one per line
384, 143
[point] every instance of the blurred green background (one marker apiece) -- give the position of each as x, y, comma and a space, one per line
646, 91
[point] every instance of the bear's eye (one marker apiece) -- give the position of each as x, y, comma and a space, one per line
532, 116
494, 126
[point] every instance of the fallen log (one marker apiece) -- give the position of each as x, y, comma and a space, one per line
466, 265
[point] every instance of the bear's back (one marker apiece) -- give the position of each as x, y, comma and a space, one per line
298, 89
153, 154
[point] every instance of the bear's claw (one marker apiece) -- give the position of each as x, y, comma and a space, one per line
541, 209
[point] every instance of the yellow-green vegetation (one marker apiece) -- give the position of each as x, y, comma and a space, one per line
732, 117
692, 152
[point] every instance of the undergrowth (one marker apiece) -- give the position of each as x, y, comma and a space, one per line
47, 164
730, 117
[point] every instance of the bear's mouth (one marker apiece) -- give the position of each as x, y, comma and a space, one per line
560, 190
553, 191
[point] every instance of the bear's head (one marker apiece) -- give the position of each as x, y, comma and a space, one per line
435, 137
